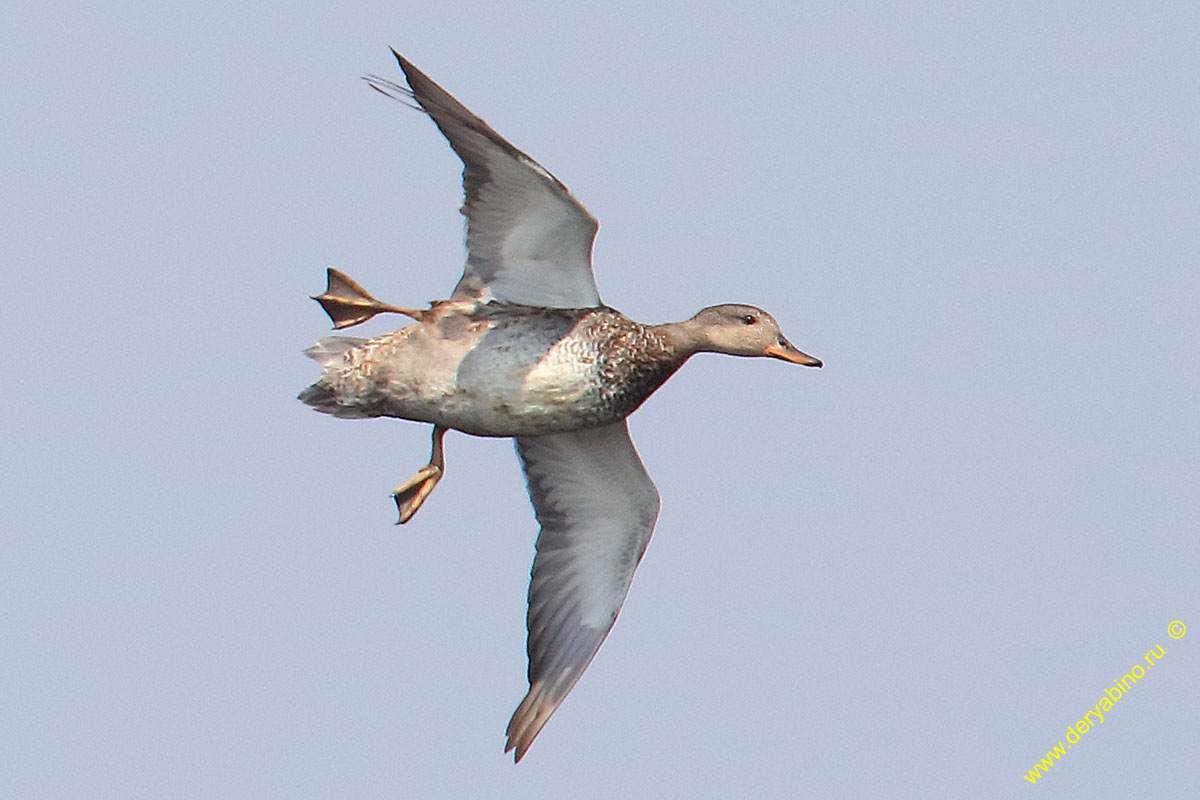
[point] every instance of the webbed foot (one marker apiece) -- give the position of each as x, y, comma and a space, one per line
412, 493
348, 304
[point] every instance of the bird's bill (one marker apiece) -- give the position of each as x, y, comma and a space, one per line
784, 351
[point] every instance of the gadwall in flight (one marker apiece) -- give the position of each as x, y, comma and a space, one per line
524, 348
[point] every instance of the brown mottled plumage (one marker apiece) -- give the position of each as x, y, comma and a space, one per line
525, 349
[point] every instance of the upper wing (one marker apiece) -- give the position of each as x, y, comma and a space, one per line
597, 507
528, 240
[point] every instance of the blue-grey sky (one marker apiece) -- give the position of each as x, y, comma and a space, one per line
903, 575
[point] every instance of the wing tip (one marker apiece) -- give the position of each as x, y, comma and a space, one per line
405, 64
530, 717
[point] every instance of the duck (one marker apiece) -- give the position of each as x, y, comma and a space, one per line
525, 349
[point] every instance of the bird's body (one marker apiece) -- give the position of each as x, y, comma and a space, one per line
524, 348
499, 369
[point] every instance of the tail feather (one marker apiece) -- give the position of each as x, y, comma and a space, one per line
332, 348
320, 396
329, 352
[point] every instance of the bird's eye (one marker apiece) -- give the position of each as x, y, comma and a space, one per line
749, 319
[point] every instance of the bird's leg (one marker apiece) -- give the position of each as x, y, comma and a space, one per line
412, 493
348, 304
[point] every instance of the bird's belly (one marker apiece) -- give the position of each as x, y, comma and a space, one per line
496, 384
516, 403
